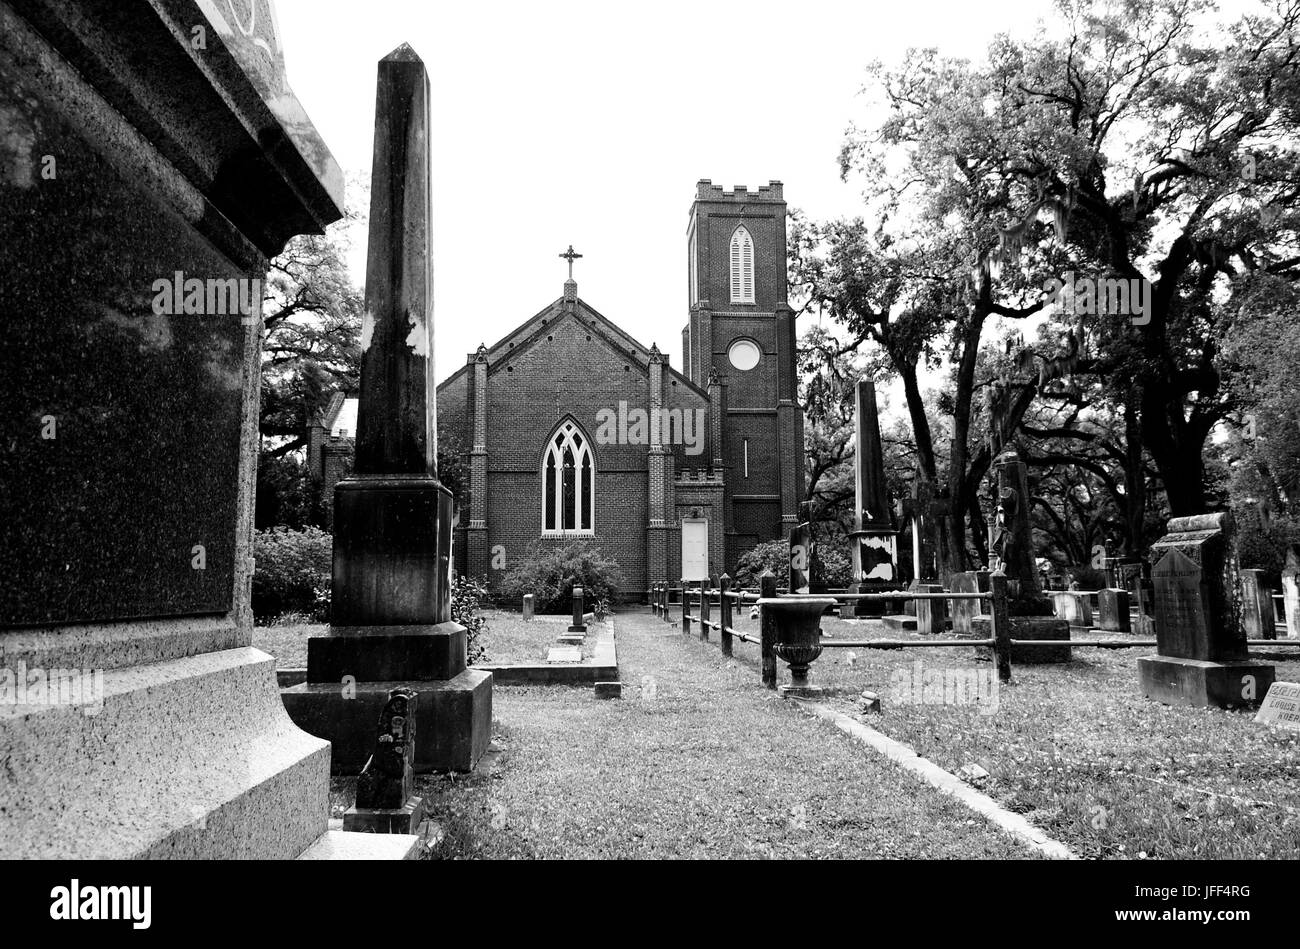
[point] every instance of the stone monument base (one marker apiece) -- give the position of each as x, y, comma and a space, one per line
1201, 684
186, 758
399, 820
899, 622
800, 691
1027, 627
453, 719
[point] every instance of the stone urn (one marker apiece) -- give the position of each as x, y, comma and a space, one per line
798, 635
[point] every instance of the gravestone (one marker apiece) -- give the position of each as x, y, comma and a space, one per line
1113, 611
1202, 655
390, 607
1291, 591
528, 607
1257, 606
799, 576
931, 615
136, 169
386, 799
964, 611
1281, 707
1074, 608
873, 542
1012, 551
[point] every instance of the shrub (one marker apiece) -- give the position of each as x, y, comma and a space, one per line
292, 572
467, 598
773, 555
550, 572
832, 563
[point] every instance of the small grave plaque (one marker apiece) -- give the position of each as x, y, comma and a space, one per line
1281, 706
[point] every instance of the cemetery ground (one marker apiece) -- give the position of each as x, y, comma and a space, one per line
704, 763
698, 760
1079, 752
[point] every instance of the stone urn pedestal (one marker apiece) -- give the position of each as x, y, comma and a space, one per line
798, 638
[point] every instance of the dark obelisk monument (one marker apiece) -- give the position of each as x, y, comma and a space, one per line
875, 537
391, 594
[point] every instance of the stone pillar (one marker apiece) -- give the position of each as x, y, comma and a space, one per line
391, 609
1202, 658
579, 621
528, 607
873, 543
1257, 606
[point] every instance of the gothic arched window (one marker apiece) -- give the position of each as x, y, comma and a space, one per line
742, 266
568, 483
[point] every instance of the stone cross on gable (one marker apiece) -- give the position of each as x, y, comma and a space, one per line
570, 255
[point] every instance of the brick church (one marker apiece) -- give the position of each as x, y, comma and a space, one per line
575, 429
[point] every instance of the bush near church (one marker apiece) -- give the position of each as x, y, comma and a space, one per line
467, 598
831, 565
550, 572
292, 572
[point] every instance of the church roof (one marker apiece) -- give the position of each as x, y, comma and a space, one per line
536, 327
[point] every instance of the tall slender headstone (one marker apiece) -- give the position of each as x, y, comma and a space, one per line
874, 543
391, 608
1257, 606
800, 573
1202, 655
1291, 591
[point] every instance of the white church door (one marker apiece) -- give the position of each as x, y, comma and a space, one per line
695, 549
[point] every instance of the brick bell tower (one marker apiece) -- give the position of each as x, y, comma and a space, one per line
741, 332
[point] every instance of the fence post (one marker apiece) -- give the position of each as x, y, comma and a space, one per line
1001, 625
706, 608
767, 629
666, 611
724, 612
686, 605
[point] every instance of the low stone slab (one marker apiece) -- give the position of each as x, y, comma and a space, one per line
344, 845
1202, 684
609, 690
1027, 627
564, 654
899, 622
399, 820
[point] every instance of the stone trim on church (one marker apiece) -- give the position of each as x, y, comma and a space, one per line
721, 442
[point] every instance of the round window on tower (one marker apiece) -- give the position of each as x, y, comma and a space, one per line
744, 354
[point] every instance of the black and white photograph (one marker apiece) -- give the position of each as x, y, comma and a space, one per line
726, 439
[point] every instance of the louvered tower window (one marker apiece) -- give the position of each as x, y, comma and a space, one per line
742, 266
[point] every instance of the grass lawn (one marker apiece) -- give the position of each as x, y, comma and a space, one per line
507, 638
1079, 752
695, 761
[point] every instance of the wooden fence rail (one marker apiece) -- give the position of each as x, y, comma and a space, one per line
718, 592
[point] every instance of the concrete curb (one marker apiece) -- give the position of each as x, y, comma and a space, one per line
601, 667
932, 774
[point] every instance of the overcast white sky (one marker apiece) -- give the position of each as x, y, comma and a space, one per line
590, 122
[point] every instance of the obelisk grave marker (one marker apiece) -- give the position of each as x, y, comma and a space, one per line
1201, 640
874, 540
391, 609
